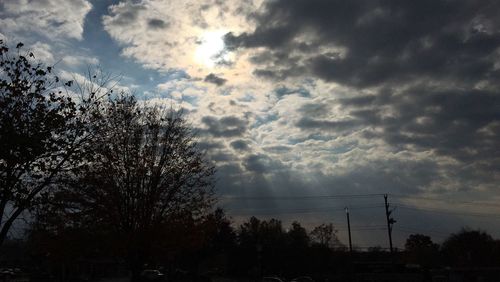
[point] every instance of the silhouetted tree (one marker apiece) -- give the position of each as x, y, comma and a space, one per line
297, 236
421, 250
470, 248
296, 249
145, 171
42, 131
218, 245
266, 233
326, 235
221, 235
263, 243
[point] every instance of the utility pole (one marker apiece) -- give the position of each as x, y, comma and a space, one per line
349, 228
390, 221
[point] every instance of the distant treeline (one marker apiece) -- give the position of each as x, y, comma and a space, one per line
108, 184
212, 245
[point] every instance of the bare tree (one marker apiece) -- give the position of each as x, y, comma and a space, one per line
144, 171
42, 131
326, 235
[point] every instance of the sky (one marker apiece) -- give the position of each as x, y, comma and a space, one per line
297, 100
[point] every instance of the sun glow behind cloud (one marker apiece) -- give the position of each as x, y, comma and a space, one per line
303, 92
210, 50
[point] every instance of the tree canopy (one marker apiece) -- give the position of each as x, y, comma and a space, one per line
470, 248
91, 163
42, 131
144, 172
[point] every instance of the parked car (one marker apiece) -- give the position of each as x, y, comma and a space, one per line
272, 279
6, 273
152, 275
302, 279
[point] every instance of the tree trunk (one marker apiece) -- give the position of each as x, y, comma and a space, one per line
4, 231
135, 264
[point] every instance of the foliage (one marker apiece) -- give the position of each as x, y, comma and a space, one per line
42, 132
143, 173
261, 233
220, 234
470, 248
421, 250
326, 235
297, 236
263, 247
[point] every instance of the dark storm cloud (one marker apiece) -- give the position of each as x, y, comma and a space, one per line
340, 125
229, 126
314, 109
228, 171
212, 78
359, 101
241, 145
221, 157
407, 177
454, 122
259, 163
157, 24
434, 63
383, 41
390, 176
204, 146
279, 149
283, 91
402, 176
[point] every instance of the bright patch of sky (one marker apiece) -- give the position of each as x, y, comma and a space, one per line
304, 97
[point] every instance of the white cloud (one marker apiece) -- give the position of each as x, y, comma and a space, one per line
78, 60
172, 34
50, 18
43, 52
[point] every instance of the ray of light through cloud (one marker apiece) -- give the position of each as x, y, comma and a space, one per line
307, 98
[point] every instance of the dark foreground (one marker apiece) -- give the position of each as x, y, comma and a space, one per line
359, 272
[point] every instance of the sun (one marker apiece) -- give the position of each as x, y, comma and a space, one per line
210, 49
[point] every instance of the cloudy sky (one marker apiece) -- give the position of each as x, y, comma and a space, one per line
295, 100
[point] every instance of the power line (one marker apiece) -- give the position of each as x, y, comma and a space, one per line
363, 229
279, 212
481, 203
422, 230
414, 231
330, 208
360, 228
360, 248
443, 211
339, 209
338, 196
300, 210
356, 196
